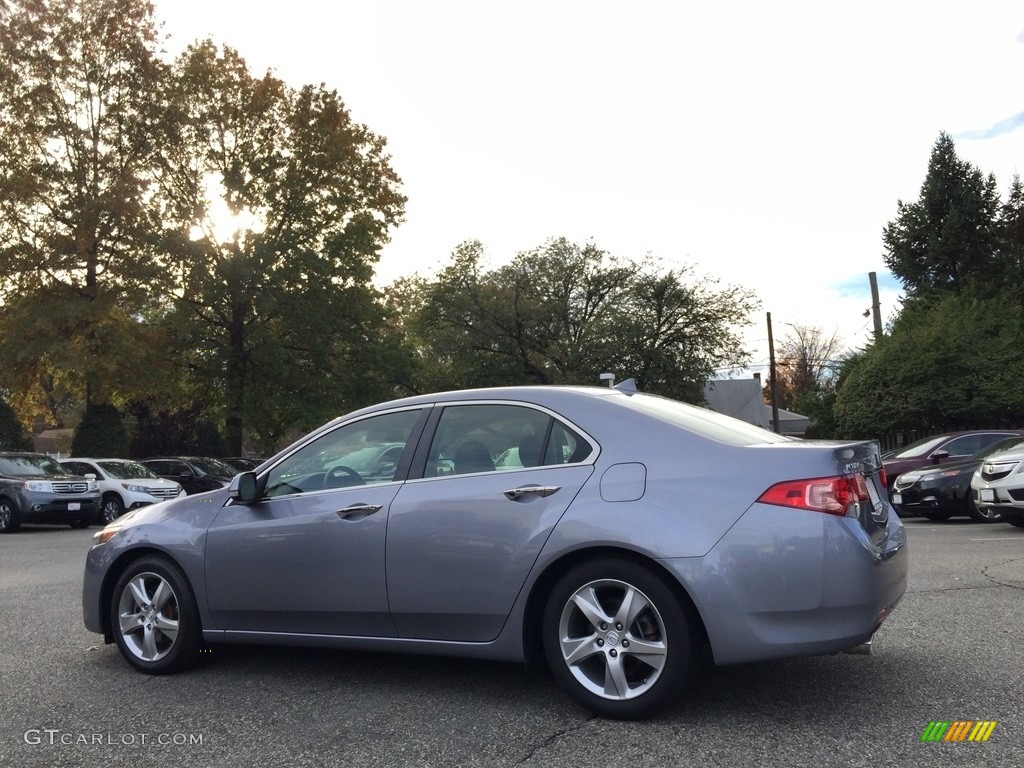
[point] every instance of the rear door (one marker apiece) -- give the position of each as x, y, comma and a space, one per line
494, 478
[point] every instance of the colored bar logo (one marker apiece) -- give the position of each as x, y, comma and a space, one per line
958, 730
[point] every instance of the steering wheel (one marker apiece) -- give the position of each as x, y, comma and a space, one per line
342, 477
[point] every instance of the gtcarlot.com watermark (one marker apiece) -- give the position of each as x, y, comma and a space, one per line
55, 736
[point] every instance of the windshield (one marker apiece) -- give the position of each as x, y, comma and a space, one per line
30, 466
920, 448
213, 467
126, 470
999, 445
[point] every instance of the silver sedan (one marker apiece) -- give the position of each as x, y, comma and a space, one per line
622, 537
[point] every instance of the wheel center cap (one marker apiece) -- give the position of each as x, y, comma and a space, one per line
612, 638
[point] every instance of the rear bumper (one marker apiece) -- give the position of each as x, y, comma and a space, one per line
821, 586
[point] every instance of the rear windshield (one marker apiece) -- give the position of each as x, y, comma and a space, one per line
723, 429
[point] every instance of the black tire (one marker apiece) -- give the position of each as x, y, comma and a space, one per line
1016, 520
153, 617
983, 515
9, 521
595, 658
111, 508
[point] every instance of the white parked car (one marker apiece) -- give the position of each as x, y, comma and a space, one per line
124, 484
998, 485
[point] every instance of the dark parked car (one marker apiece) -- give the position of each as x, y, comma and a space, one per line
241, 464
35, 489
617, 541
942, 492
195, 474
941, 449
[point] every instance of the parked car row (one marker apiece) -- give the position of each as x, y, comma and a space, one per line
36, 488
932, 478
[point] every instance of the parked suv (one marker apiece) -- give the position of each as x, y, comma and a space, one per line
124, 484
35, 489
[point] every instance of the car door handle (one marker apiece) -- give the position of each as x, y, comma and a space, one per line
532, 490
358, 511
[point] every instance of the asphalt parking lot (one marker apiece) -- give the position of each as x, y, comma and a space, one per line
952, 651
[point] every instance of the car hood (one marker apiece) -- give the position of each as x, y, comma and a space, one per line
960, 466
197, 510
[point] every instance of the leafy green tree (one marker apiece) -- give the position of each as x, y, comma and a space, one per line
100, 433
954, 362
277, 204
564, 313
78, 127
945, 240
12, 434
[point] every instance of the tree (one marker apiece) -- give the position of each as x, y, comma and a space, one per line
100, 433
805, 361
277, 207
954, 362
945, 240
79, 123
12, 434
1009, 237
564, 313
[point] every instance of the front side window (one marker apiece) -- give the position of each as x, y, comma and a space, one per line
365, 452
497, 438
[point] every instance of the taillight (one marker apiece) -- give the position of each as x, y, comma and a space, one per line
831, 495
883, 478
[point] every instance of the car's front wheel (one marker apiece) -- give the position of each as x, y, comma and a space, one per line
983, 514
113, 508
8, 517
618, 639
154, 618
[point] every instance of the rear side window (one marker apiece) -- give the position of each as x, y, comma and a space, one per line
499, 438
715, 426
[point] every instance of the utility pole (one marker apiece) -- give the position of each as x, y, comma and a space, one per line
771, 371
876, 307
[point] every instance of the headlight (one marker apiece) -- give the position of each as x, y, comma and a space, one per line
102, 537
39, 486
93, 485
131, 488
909, 479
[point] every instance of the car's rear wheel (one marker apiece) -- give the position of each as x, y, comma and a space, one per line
1014, 519
618, 639
112, 508
8, 517
154, 618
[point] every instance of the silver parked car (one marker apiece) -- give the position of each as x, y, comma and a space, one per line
621, 536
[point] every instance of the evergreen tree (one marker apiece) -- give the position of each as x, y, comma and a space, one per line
945, 241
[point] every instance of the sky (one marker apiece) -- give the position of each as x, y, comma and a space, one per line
760, 145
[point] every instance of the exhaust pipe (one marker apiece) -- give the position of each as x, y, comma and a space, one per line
864, 649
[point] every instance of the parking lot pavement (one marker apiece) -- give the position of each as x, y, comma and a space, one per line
950, 652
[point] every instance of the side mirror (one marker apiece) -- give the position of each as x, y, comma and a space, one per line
939, 456
243, 488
